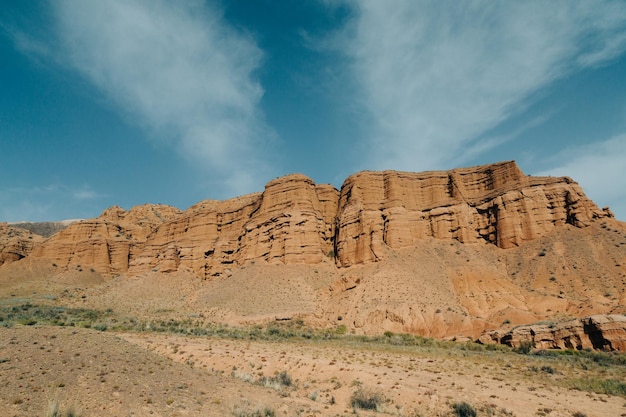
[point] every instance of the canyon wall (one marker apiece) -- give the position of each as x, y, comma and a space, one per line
16, 243
495, 204
294, 221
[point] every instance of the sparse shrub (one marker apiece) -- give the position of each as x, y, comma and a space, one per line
285, 379
55, 411
366, 399
277, 382
100, 327
266, 412
600, 386
463, 410
579, 414
525, 347
548, 369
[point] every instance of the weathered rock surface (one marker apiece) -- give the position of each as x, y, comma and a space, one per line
106, 243
16, 243
601, 332
493, 203
295, 221
291, 222
442, 254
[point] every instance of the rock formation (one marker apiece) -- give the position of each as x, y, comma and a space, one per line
295, 221
443, 254
16, 243
291, 222
493, 203
108, 242
600, 332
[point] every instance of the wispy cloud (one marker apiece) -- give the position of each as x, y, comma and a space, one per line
599, 169
436, 76
48, 202
175, 68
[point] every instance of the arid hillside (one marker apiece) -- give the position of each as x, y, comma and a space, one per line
449, 254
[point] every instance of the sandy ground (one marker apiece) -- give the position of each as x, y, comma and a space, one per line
415, 382
148, 374
101, 374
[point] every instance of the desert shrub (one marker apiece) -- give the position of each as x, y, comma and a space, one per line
285, 378
463, 410
55, 411
277, 382
366, 399
524, 347
266, 412
600, 386
100, 327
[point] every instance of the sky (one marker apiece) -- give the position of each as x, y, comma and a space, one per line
128, 102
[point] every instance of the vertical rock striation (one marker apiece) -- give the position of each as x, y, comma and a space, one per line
494, 203
16, 243
108, 242
291, 222
294, 221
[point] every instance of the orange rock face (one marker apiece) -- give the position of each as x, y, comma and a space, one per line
600, 332
106, 243
295, 221
291, 222
493, 203
441, 254
16, 243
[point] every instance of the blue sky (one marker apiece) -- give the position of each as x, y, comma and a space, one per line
129, 102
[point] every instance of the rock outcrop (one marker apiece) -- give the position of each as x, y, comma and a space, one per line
443, 254
291, 222
295, 221
107, 243
495, 203
600, 332
16, 243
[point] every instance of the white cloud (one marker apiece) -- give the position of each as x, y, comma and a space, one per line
599, 169
177, 69
46, 203
435, 76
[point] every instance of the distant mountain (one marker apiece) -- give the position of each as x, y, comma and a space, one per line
45, 229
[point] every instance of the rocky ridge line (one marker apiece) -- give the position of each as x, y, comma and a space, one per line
295, 221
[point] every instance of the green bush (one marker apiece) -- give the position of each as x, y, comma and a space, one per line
463, 410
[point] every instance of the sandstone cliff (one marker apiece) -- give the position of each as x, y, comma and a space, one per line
291, 222
495, 204
16, 243
106, 243
443, 254
295, 221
